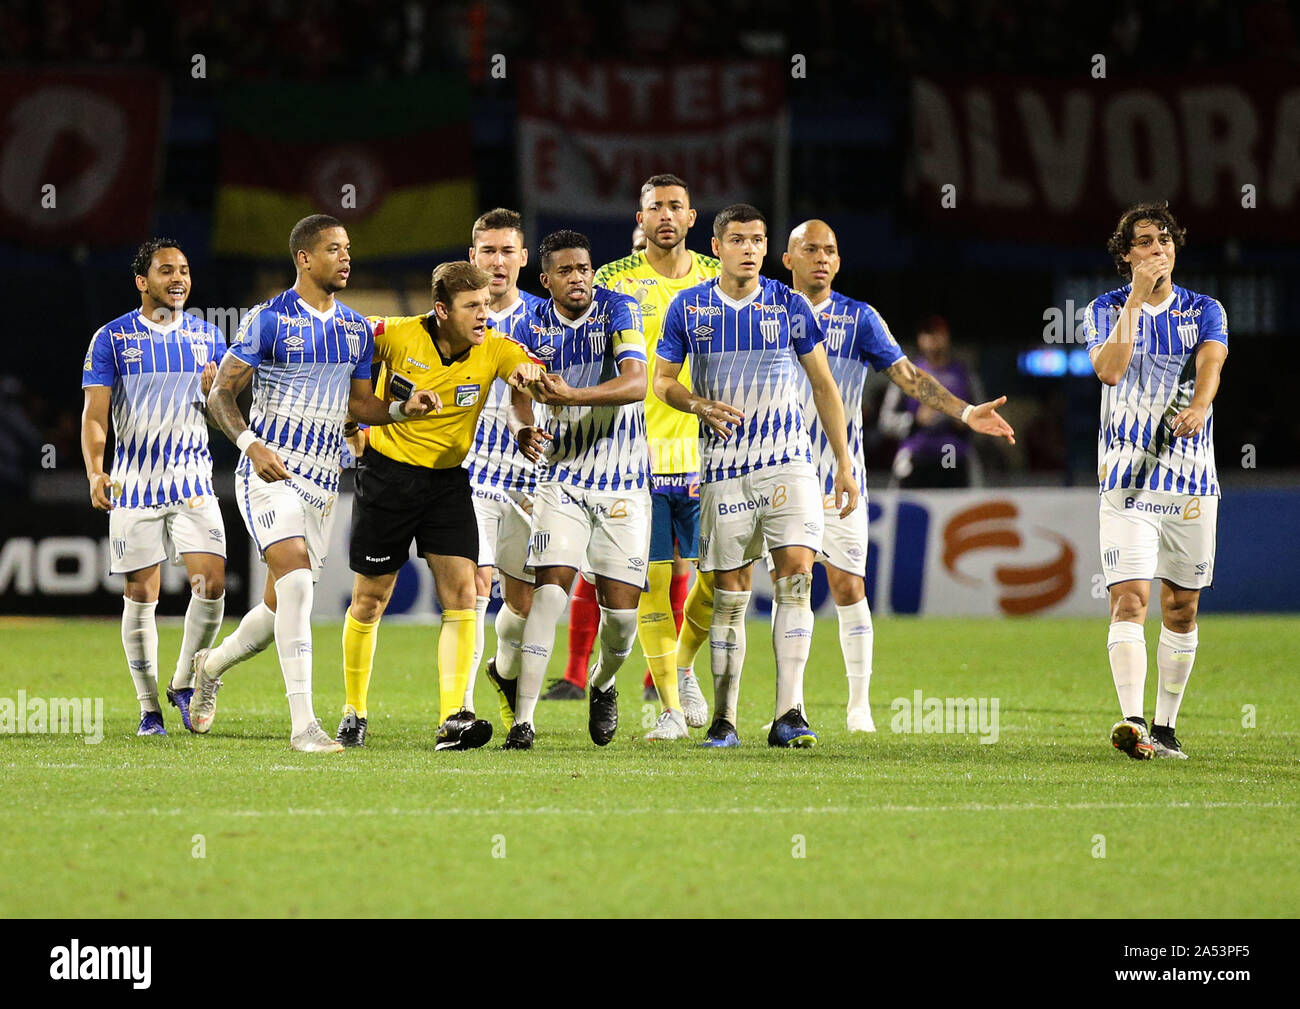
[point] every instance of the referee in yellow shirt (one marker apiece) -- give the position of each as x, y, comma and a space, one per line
410, 485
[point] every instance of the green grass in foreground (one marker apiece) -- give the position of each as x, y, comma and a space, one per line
890, 824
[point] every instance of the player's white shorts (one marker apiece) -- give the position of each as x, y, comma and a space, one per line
283, 509
1150, 534
844, 543
504, 526
604, 532
142, 537
777, 506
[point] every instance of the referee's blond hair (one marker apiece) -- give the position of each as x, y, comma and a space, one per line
451, 279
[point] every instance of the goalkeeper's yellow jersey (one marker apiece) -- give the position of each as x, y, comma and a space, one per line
408, 360
673, 435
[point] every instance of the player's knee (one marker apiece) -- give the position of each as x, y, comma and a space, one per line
209, 584
1127, 605
370, 600
483, 581
795, 590
1180, 615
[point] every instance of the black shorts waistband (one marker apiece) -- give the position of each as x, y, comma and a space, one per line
372, 458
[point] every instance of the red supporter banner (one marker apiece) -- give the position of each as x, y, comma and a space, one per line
79, 154
591, 134
1032, 159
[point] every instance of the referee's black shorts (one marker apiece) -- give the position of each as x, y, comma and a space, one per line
396, 502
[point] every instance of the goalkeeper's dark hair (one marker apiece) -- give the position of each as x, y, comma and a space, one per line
558, 240
737, 213
144, 255
303, 236
1122, 239
666, 179
498, 220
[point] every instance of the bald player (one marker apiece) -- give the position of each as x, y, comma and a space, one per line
858, 339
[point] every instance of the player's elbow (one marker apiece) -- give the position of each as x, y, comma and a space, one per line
1107, 376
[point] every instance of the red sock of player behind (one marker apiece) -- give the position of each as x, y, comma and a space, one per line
584, 621
678, 590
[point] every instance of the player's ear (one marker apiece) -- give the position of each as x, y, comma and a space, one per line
690, 218
545, 278
639, 219
717, 247
440, 310
141, 283
785, 260
523, 257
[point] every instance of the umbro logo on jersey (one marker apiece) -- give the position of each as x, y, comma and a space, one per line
294, 343
703, 330
132, 354
546, 352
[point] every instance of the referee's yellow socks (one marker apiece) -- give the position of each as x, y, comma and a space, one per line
658, 635
359, 642
695, 620
455, 657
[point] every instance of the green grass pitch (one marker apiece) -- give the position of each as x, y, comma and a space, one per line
891, 824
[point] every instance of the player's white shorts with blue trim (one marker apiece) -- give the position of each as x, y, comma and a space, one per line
1150, 534
504, 525
284, 509
844, 543
142, 537
606, 533
777, 506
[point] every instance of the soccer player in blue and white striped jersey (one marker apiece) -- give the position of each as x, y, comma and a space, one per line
308, 359
151, 369
502, 479
1158, 350
856, 340
592, 506
746, 337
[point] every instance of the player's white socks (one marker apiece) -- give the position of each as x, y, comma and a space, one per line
857, 635
1128, 665
202, 621
510, 639
617, 633
1175, 656
480, 618
792, 627
254, 634
293, 594
140, 642
727, 650
549, 604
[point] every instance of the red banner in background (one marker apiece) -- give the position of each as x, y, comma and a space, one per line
591, 134
1026, 158
79, 155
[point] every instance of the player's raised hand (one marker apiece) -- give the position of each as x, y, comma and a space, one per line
723, 418
207, 377
100, 486
986, 420
525, 374
532, 442
422, 401
266, 464
1189, 421
1148, 274
847, 493
551, 389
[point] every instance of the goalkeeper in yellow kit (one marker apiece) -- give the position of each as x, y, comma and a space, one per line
654, 277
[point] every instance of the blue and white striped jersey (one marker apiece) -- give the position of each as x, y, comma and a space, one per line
594, 447
161, 456
493, 459
740, 354
1135, 449
856, 339
306, 361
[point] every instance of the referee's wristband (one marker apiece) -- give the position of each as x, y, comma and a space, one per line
395, 411
246, 439
965, 414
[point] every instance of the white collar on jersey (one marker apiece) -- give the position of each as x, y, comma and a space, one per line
505, 313
1162, 307
177, 319
824, 306
743, 301
575, 323
322, 316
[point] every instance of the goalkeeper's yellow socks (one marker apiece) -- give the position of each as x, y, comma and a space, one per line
359, 642
696, 620
455, 657
654, 628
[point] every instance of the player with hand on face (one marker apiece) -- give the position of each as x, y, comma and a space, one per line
1159, 351
759, 484
857, 339
592, 507
151, 370
307, 357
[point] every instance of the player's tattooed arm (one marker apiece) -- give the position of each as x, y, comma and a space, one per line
94, 435
830, 411
233, 377
929, 391
1209, 367
667, 385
